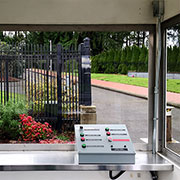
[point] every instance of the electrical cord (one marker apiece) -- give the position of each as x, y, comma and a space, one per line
154, 175
117, 175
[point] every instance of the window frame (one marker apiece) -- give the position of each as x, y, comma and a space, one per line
167, 152
151, 74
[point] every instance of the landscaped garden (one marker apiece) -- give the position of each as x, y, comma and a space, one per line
30, 78
16, 126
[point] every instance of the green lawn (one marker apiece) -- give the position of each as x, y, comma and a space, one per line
12, 96
173, 85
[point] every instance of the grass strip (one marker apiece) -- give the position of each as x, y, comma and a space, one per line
12, 97
173, 85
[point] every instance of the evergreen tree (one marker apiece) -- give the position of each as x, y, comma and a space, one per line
129, 57
122, 68
146, 63
117, 59
135, 58
178, 61
110, 68
169, 59
1, 36
94, 64
102, 62
142, 59
173, 59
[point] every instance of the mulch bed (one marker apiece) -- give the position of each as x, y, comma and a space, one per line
48, 141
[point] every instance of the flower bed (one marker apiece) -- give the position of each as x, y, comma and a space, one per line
16, 127
56, 141
36, 132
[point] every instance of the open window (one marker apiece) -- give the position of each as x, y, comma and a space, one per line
173, 89
170, 82
120, 57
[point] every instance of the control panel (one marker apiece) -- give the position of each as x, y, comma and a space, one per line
104, 143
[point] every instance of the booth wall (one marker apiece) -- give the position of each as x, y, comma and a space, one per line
89, 175
172, 8
68, 12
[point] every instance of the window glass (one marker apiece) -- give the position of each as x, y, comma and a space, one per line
120, 80
173, 89
49, 83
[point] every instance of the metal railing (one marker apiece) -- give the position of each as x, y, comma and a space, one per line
49, 81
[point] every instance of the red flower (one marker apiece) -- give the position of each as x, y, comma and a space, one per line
47, 124
34, 131
33, 126
22, 116
37, 134
24, 120
29, 124
29, 118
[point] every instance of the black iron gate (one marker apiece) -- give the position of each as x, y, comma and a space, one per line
49, 80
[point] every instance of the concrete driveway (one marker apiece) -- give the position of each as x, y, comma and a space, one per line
118, 108
115, 108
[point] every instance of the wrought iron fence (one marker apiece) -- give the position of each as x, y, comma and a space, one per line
49, 80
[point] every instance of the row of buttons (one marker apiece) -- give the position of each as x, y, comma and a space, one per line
108, 134
83, 139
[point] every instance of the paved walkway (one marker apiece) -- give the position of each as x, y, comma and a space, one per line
172, 98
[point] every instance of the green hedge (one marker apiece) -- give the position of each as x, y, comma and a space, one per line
131, 59
173, 59
120, 60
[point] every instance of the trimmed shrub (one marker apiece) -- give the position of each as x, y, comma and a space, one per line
31, 130
143, 60
9, 119
131, 59
135, 58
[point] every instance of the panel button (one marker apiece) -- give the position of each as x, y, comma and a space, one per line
110, 139
82, 139
82, 134
108, 133
83, 145
106, 129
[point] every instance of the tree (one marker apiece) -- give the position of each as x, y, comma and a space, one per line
16, 69
117, 59
1, 36
169, 59
173, 59
135, 58
177, 68
122, 68
142, 59
173, 34
129, 57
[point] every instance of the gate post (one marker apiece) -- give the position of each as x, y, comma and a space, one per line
88, 112
85, 73
7, 81
59, 89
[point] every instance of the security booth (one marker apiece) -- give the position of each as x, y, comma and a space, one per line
154, 159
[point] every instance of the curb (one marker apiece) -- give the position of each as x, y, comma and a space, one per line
120, 91
173, 104
131, 94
